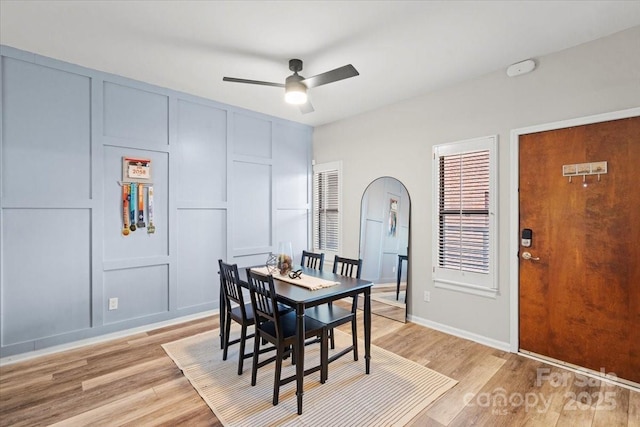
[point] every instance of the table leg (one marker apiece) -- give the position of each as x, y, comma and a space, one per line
367, 329
300, 355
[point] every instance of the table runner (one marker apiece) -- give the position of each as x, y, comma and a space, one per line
311, 282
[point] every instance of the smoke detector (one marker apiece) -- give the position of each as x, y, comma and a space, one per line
519, 68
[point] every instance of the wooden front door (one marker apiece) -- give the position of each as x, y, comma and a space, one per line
580, 287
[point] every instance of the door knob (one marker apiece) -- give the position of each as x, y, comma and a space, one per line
527, 255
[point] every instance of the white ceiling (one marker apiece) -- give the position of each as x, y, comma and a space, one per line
401, 49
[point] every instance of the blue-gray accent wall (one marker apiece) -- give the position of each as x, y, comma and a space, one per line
228, 183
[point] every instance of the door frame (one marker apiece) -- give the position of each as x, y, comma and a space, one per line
514, 211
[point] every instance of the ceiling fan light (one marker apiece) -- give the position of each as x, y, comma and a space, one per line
295, 93
295, 97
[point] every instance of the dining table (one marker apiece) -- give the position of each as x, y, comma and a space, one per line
301, 298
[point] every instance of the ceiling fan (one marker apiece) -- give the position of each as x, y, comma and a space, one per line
295, 86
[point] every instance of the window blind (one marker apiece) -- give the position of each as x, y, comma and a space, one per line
463, 241
325, 210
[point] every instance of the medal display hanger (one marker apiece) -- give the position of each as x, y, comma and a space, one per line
144, 184
137, 170
136, 175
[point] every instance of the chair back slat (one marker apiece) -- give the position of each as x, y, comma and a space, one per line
263, 298
230, 282
347, 267
312, 260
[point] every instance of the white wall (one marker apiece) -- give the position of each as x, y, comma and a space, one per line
593, 78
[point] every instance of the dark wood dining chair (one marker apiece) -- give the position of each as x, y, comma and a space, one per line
332, 315
400, 259
280, 330
236, 310
347, 267
312, 260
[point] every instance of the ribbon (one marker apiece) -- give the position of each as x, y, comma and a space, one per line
132, 206
140, 223
125, 209
152, 228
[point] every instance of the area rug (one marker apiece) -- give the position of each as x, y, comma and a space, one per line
393, 393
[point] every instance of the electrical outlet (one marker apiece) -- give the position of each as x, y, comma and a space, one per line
427, 296
113, 303
393, 270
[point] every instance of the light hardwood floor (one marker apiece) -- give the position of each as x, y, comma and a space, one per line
131, 381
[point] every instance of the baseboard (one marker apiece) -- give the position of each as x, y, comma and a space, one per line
460, 333
102, 338
579, 370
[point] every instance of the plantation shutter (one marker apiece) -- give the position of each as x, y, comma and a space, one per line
463, 240
325, 210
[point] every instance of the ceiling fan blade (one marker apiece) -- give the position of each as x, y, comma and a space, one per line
253, 82
307, 108
331, 76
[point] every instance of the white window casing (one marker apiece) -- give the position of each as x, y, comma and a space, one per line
327, 208
465, 220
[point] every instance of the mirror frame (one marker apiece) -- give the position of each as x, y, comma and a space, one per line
407, 294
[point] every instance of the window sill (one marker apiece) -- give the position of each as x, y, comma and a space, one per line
466, 288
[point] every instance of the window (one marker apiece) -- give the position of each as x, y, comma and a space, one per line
326, 207
465, 201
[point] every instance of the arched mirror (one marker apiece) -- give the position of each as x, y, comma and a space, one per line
385, 213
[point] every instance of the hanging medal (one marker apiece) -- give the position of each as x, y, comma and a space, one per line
140, 223
152, 228
132, 206
125, 209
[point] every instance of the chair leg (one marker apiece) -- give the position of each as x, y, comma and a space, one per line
227, 329
398, 281
222, 323
256, 351
276, 380
243, 337
287, 352
354, 334
333, 341
324, 356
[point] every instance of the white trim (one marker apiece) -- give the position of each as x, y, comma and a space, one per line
504, 346
328, 166
102, 338
514, 212
466, 288
323, 167
460, 333
621, 382
486, 285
